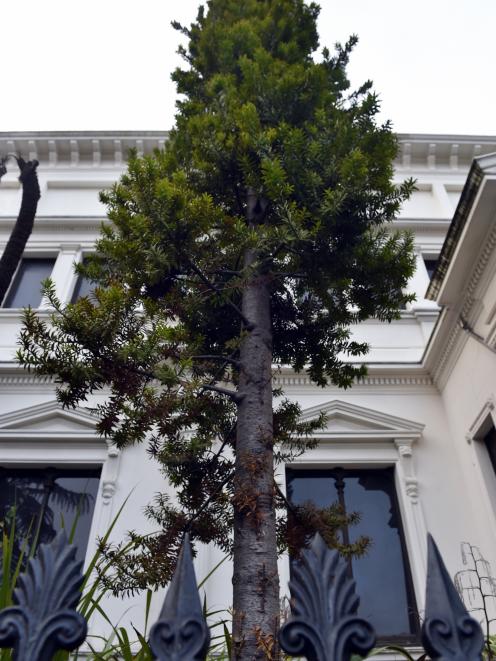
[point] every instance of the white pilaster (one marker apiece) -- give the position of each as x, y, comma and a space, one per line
418, 285
63, 272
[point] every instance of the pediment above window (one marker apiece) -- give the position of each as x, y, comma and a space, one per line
347, 420
48, 420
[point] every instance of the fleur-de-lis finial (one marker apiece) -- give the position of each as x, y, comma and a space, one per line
181, 633
324, 625
448, 632
44, 619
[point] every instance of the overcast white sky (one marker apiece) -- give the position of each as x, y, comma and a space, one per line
106, 64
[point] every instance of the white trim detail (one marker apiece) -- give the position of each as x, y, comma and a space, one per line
486, 478
48, 420
46, 434
484, 413
378, 424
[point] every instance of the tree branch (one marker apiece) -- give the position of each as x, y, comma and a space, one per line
14, 249
226, 359
208, 501
214, 288
223, 391
289, 505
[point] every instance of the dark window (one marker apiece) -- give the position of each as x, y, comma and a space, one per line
84, 287
430, 265
45, 500
26, 286
490, 442
382, 575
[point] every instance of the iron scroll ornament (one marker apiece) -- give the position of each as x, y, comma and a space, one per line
324, 625
448, 632
181, 633
43, 619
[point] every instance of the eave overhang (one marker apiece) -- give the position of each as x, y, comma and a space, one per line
461, 277
469, 226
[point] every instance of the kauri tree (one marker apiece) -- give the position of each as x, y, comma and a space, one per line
256, 238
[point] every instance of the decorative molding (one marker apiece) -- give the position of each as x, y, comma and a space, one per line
406, 154
118, 153
447, 152
69, 247
431, 155
453, 159
12, 379
60, 424
81, 148
371, 427
422, 151
10, 184
369, 423
46, 434
109, 484
424, 224
377, 439
294, 379
478, 271
52, 153
410, 480
89, 225
80, 184
486, 411
469, 306
97, 154
282, 377
404, 448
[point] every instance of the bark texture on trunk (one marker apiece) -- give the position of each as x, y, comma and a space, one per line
24, 224
255, 577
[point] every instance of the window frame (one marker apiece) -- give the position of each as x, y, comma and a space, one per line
42, 469
430, 257
23, 445
412, 615
29, 255
383, 441
486, 473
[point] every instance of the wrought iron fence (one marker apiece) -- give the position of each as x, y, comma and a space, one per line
323, 625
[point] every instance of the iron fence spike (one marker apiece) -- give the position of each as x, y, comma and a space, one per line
181, 633
448, 631
324, 625
43, 619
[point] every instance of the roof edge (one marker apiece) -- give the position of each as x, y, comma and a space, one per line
469, 192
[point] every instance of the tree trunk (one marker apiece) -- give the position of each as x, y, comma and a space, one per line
255, 577
24, 225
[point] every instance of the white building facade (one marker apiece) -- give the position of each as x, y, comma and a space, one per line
424, 415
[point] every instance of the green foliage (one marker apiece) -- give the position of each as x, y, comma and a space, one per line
260, 114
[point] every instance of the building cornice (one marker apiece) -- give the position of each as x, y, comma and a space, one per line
58, 224
79, 148
434, 152
462, 303
392, 375
76, 148
378, 376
